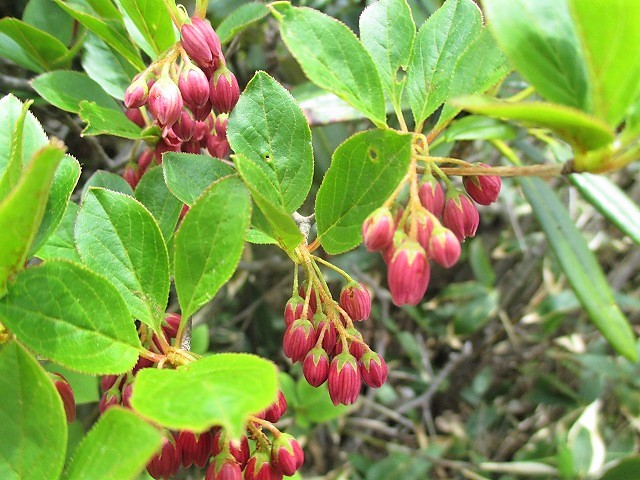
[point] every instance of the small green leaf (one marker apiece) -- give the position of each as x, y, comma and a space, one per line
440, 42
117, 237
72, 316
209, 242
582, 131
149, 24
625, 469
11, 175
188, 175
580, 267
117, 433
65, 89
49, 17
30, 47
108, 180
33, 430
475, 127
540, 39
268, 128
61, 245
240, 19
153, 193
106, 121
364, 171
333, 58
220, 390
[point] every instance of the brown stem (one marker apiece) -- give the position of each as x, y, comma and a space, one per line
529, 171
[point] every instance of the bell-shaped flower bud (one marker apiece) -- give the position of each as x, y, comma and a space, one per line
110, 398
130, 175
201, 42
66, 394
171, 324
202, 112
185, 127
277, 409
196, 448
316, 366
220, 125
399, 237
356, 301
127, 391
140, 364
408, 274
224, 90
166, 463
137, 93
425, 222
135, 115
259, 467
224, 467
460, 215
344, 379
373, 369
145, 160
286, 454
165, 102
217, 147
299, 338
377, 229
444, 247
293, 309
320, 323
313, 298
483, 189
431, 196
108, 381
194, 86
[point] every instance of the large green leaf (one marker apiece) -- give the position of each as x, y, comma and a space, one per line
153, 193
61, 244
209, 242
540, 39
106, 121
108, 180
73, 316
149, 24
625, 469
580, 266
332, 57
268, 128
118, 237
439, 44
220, 390
239, 19
116, 435
49, 17
364, 171
33, 430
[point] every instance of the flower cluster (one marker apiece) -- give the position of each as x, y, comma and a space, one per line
188, 93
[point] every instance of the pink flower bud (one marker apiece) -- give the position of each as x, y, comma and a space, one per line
201, 42
184, 127
171, 324
356, 301
316, 367
220, 126
460, 215
217, 147
140, 364
194, 86
66, 394
224, 467
431, 196
225, 91
200, 131
240, 450
135, 115
408, 274
425, 222
192, 146
136, 94
377, 229
399, 237
356, 344
166, 463
286, 454
444, 247
299, 338
293, 309
145, 159
277, 409
108, 381
109, 399
373, 369
131, 176
313, 299
483, 189
259, 468
202, 112
165, 101
321, 323
127, 391
195, 448
344, 379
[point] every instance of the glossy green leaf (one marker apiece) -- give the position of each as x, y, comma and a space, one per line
106, 121
49, 17
153, 193
274, 219
582, 131
188, 175
364, 171
475, 127
117, 237
72, 316
241, 18
117, 433
580, 267
209, 242
11, 174
387, 32
268, 128
33, 430
220, 390
149, 24
439, 44
333, 58
626, 469
540, 39
65, 89
61, 244
108, 180
31, 47
22, 210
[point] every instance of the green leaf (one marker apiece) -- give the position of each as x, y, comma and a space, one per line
228, 387
274, 219
72, 316
188, 175
64, 181
117, 433
364, 171
153, 193
108, 180
475, 127
240, 19
149, 24
333, 58
11, 175
85, 387
22, 210
625, 469
47, 16
209, 242
387, 32
268, 128
33, 430
439, 44
613, 66
540, 39
580, 267
611, 202
117, 237
30, 47
61, 245
106, 121
65, 89
581, 130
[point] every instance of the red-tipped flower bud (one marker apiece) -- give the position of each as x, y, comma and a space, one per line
165, 101
425, 222
171, 324
195, 448
377, 229
313, 299
344, 379
277, 409
316, 367
408, 274
220, 125
356, 301
460, 215
217, 147
431, 196
373, 369
224, 467
444, 247
194, 86
135, 115
320, 323
184, 127
130, 176
259, 467
166, 463
66, 394
201, 42
109, 399
136, 94
225, 91
293, 309
286, 454
298, 339
483, 189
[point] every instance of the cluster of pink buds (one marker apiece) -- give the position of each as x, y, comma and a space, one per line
430, 228
188, 93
